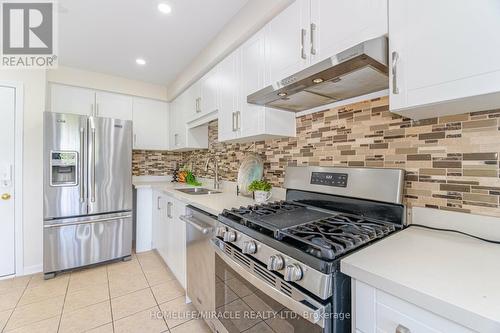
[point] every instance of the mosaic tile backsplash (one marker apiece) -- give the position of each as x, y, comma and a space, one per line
452, 162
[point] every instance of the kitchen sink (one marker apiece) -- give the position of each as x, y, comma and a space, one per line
197, 191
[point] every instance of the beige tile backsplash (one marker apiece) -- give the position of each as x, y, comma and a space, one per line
452, 162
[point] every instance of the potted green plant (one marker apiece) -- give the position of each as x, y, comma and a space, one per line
261, 190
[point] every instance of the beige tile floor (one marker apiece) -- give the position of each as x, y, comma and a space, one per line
141, 295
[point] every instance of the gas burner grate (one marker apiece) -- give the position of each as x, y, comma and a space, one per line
334, 236
266, 208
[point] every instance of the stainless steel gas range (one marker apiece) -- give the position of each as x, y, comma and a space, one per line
277, 264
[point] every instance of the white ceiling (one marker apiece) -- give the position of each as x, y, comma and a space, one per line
108, 35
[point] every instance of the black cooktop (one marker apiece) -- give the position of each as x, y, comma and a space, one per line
326, 235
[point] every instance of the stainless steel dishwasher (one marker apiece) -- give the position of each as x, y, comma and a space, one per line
200, 227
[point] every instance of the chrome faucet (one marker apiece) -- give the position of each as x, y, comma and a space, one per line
215, 169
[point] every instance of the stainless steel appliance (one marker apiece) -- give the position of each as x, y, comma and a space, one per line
278, 264
357, 71
87, 191
200, 256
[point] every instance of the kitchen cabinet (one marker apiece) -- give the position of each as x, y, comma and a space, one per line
241, 73
309, 31
228, 97
111, 105
337, 25
443, 68
288, 39
169, 233
208, 92
69, 99
151, 124
181, 137
377, 311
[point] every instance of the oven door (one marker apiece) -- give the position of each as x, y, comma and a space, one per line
250, 298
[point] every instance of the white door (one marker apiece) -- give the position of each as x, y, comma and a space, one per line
445, 50
7, 125
150, 124
337, 25
68, 99
208, 92
252, 78
110, 105
228, 97
288, 40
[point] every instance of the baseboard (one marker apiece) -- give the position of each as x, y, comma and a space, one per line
28, 270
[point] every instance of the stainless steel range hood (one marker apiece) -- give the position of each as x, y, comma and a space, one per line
357, 71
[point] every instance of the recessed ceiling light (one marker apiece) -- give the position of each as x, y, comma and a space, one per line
282, 94
140, 61
164, 8
318, 80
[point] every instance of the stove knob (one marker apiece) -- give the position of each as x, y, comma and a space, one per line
220, 232
293, 272
249, 247
229, 236
275, 263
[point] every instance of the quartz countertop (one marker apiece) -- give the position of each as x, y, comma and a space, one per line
211, 203
452, 275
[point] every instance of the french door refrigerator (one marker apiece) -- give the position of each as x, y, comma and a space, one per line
87, 191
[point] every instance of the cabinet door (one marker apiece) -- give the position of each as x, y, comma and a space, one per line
288, 40
111, 105
179, 242
178, 123
441, 60
150, 124
191, 102
208, 92
252, 78
75, 100
337, 25
228, 96
160, 224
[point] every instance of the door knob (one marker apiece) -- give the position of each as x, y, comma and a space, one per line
5, 196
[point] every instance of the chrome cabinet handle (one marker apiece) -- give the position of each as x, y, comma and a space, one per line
169, 209
158, 203
82, 147
303, 33
395, 61
92, 171
313, 31
238, 120
402, 329
176, 143
200, 226
234, 121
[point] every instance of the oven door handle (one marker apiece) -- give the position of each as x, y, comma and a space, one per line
311, 313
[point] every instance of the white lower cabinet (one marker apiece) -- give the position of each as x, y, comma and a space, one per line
169, 233
377, 311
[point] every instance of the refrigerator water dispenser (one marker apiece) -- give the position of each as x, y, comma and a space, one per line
63, 168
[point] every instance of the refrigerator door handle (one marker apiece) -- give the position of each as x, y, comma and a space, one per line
92, 169
81, 165
106, 219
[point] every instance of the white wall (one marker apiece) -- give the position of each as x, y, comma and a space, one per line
100, 81
34, 82
253, 16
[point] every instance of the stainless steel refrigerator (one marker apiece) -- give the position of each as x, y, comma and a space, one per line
87, 191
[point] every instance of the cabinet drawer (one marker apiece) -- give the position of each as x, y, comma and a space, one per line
392, 312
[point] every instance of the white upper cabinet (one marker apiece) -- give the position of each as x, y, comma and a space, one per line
208, 92
288, 39
182, 137
337, 25
445, 56
151, 124
68, 99
228, 97
111, 105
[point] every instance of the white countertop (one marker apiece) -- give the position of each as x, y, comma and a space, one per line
454, 276
211, 203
